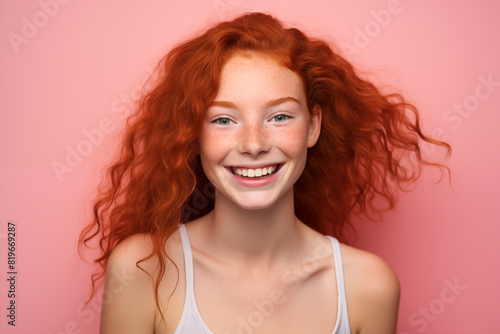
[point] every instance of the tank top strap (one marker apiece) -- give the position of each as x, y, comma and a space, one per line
191, 321
188, 261
342, 326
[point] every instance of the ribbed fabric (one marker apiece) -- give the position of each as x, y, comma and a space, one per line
192, 323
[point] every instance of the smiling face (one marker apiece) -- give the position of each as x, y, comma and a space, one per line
255, 136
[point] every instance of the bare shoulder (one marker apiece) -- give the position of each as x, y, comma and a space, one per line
361, 265
372, 292
131, 250
132, 255
128, 304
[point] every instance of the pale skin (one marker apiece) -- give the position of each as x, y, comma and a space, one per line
245, 249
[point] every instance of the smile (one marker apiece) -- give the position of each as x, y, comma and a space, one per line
255, 173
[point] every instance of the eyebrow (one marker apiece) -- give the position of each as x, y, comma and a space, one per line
272, 103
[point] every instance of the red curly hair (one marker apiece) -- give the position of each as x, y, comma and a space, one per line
158, 183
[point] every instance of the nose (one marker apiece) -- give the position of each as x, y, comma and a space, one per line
253, 139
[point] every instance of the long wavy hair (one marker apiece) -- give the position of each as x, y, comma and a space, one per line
157, 183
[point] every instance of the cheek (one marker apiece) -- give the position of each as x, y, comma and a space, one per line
293, 141
212, 147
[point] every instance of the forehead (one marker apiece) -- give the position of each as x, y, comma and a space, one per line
257, 75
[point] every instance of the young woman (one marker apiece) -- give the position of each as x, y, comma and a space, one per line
254, 144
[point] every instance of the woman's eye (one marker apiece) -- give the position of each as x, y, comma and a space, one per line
222, 121
280, 118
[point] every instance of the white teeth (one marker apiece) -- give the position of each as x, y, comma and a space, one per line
257, 172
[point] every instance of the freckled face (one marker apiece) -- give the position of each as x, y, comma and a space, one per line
256, 133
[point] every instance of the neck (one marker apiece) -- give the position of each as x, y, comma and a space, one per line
263, 236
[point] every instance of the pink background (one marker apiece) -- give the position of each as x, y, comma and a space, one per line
79, 67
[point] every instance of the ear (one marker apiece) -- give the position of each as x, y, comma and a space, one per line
314, 126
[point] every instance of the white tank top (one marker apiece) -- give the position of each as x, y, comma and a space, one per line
192, 323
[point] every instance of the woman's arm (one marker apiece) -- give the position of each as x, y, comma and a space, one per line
128, 302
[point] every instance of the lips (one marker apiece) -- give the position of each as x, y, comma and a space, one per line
256, 172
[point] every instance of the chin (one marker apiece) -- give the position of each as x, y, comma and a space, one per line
255, 206
257, 202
